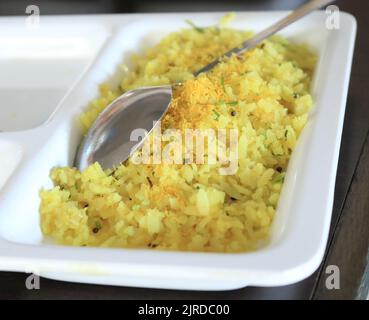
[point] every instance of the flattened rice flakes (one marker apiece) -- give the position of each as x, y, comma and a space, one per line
264, 94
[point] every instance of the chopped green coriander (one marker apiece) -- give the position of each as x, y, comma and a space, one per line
223, 85
198, 29
278, 178
217, 115
230, 103
277, 154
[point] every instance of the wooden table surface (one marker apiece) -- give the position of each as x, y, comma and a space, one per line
349, 235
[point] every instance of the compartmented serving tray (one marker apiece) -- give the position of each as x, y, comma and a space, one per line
72, 55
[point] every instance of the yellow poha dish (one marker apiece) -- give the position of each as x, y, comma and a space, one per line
191, 207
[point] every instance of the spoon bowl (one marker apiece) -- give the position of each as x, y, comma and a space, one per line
109, 141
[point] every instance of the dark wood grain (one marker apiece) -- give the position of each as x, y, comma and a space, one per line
356, 125
350, 242
346, 210
12, 286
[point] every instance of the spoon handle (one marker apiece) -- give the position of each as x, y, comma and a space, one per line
259, 37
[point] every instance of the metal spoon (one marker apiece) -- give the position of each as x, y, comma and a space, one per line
108, 140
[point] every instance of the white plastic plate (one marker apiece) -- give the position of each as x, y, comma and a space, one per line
32, 145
